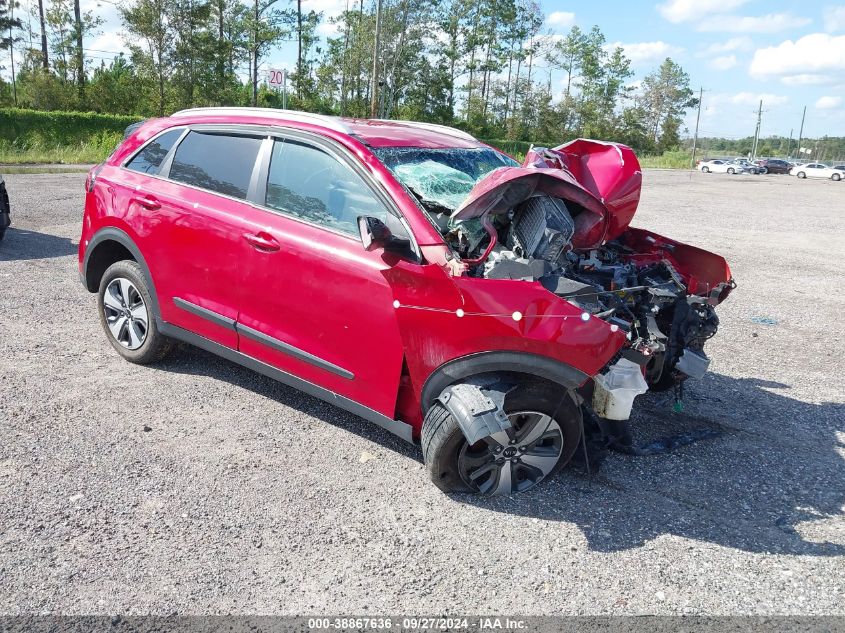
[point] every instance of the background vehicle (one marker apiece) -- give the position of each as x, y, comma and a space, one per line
719, 166
5, 211
773, 166
816, 170
375, 264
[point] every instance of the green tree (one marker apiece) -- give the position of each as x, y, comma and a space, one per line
664, 99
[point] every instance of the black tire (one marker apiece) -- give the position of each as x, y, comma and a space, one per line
763, 171
801, 174
731, 171
705, 170
836, 177
155, 345
442, 439
5, 215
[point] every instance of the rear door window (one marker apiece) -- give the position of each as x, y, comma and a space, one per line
149, 159
308, 183
222, 163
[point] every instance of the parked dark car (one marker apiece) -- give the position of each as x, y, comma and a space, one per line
773, 166
5, 219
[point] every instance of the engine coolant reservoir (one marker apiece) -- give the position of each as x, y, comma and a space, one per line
614, 392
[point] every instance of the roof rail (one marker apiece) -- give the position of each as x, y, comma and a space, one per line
333, 123
434, 127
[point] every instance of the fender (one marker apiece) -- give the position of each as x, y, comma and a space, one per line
112, 234
488, 362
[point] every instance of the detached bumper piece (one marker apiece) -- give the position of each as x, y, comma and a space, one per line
478, 408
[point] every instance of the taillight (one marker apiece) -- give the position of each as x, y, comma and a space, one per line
92, 177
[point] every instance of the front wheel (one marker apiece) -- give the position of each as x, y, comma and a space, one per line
545, 432
705, 169
801, 174
126, 314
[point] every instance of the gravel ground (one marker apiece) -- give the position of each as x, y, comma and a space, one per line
196, 486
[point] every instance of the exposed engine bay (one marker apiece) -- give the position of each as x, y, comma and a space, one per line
642, 294
562, 219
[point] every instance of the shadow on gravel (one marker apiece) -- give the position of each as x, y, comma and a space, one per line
769, 465
20, 245
772, 467
194, 361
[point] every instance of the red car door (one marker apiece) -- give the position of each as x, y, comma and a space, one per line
314, 303
192, 233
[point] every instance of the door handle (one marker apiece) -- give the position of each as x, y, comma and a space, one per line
148, 202
262, 242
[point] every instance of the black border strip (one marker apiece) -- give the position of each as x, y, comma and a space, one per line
290, 350
205, 313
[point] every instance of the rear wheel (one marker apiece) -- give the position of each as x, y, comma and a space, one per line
126, 314
544, 436
835, 177
731, 170
762, 170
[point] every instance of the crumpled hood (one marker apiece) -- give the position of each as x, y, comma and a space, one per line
603, 179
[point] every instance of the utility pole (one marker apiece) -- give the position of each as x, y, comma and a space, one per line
757, 131
12, 51
789, 142
374, 95
801, 132
80, 58
697, 118
45, 60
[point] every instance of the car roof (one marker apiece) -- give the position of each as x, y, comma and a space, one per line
372, 132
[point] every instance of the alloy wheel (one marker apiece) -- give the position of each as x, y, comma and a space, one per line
126, 313
513, 460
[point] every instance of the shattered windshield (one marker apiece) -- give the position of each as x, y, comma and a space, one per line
441, 178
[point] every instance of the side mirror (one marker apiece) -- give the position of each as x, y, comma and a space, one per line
374, 233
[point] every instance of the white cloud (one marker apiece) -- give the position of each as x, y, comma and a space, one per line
828, 103
813, 59
739, 43
560, 19
327, 29
643, 53
834, 19
725, 62
678, 11
751, 98
770, 23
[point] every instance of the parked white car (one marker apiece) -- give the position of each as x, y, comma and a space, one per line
816, 170
719, 166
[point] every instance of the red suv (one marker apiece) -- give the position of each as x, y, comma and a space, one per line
405, 272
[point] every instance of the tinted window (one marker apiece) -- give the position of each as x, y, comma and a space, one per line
149, 159
308, 183
217, 162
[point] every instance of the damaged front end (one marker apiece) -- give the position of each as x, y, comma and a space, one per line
562, 219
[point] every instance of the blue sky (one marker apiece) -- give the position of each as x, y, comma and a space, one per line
790, 54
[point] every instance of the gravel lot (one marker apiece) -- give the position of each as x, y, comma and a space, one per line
246, 496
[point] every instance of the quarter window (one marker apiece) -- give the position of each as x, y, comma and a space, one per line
308, 183
149, 159
218, 162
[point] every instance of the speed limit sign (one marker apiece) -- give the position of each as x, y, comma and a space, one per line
275, 77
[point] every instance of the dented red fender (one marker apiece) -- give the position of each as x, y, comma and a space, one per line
603, 179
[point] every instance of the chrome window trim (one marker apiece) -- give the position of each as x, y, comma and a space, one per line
167, 157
